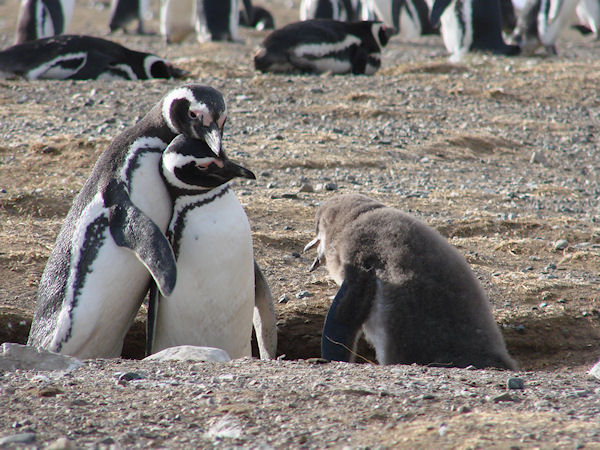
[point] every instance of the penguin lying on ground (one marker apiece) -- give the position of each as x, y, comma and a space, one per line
43, 18
80, 57
112, 241
219, 286
317, 46
412, 294
471, 25
123, 12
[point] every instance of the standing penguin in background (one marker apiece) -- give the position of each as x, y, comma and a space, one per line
411, 293
219, 286
123, 12
216, 20
320, 45
540, 23
112, 240
410, 18
43, 18
259, 18
468, 25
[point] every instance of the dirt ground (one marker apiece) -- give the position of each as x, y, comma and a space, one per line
499, 155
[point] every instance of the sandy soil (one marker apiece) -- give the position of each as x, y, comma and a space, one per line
500, 155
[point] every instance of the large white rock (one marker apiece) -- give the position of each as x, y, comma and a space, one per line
190, 353
17, 356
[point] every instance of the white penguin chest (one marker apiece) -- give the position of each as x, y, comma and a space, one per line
213, 300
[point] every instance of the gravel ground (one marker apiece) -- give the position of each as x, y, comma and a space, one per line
500, 155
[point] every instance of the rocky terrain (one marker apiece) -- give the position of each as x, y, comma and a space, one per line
500, 155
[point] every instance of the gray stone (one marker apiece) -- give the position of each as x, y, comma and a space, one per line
21, 438
61, 443
515, 383
306, 187
561, 244
303, 294
17, 356
190, 353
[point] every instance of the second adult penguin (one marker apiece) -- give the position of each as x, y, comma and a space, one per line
219, 286
411, 293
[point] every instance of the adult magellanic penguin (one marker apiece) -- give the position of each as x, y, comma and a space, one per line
410, 18
541, 22
320, 45
112, 243
471, 25
123, 12
411, 293
219, 286
81, 57
43, 18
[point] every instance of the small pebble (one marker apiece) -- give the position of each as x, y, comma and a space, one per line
306, 187
506, 397
303, 294
61, 443
515, 383
130, 376
561, 244
283, 299
331, 186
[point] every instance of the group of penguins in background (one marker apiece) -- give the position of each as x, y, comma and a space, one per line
158, 217
337, 36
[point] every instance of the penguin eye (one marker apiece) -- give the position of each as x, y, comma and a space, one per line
192, 114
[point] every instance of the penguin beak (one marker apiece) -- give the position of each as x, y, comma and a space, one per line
235, 170
317, 262
212, 136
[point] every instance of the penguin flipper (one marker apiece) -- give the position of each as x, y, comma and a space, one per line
438, 8
264, 320
153, 297
132, 229
348, 311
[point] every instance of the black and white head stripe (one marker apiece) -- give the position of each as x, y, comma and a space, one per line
155, 67
196, 111
189, 165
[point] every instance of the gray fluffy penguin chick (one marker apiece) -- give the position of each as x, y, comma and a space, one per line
412, 294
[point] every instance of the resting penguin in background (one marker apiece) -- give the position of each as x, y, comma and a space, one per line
112, 241
78, 57
468, 25
43, 18
219, 286
123, 12
414, 296
317, 46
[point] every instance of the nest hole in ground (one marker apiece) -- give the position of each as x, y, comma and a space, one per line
537, 344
